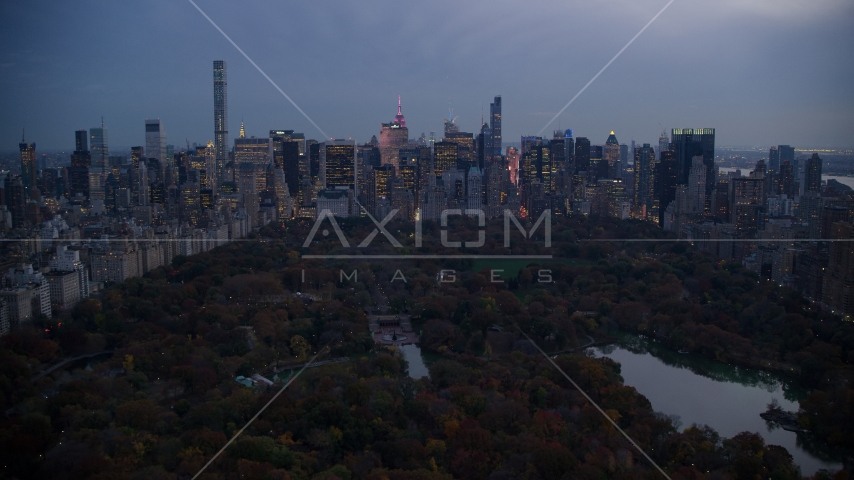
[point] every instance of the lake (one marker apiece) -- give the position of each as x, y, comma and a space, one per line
724, 397
412, 354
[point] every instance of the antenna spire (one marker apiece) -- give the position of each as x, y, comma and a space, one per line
398, 105
102, 121
23, 135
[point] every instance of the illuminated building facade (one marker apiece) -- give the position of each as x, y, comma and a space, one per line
393, 137
338, 164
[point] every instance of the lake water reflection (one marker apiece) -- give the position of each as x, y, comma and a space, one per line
726, 398
412, 354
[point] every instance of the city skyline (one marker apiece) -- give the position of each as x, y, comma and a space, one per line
177, 88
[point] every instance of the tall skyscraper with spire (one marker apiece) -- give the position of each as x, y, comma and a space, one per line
220, 115
393, 137
28, 163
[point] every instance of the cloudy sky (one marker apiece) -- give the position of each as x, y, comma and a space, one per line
762, 72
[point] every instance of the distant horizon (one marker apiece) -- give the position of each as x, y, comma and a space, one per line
182, 146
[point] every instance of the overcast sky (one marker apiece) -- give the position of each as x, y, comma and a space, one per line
762, 72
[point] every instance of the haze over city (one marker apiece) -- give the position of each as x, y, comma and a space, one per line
763, 73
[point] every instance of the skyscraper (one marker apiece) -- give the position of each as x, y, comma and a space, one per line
220, 114
582, 154
474, 189
98, 166
495, 129
787, 180
155, 140
557, 146
393, 137
644, 180
691, 142
786, 153
465, 144
379, 186
81, 159
338, 164
774, 160
28, 164
569, 145
290, 163
666, 174
812, 174
445, 156
611, 155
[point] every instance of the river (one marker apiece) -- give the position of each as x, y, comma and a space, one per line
724, 397
849, 181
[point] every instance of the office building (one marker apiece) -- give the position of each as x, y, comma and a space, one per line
338, 164
378, 186
582, 154
253, 151
155, 140
445, 156
688, 143
393, 137
465, 145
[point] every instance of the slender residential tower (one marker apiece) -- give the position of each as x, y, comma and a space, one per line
495, 129
100, 152
28, 163
220, 114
